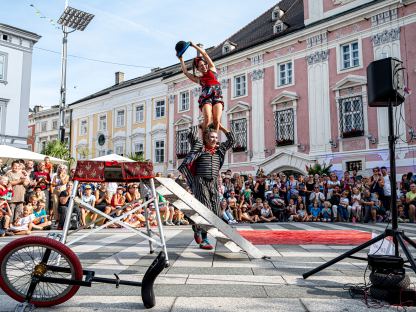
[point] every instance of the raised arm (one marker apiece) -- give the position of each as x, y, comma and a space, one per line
206, 57
193, 139
186, 73
224, 146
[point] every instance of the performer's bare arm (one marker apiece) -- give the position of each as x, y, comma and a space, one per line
186, 73
206, 57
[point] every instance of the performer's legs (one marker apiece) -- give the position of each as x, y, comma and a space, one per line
216, 113
207, 112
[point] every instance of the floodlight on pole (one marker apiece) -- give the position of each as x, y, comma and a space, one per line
77, 20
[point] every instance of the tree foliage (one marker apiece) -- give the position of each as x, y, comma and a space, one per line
317, 168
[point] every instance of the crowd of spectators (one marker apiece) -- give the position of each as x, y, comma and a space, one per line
36, 197
319, 197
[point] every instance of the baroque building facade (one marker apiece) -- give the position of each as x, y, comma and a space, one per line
295, 93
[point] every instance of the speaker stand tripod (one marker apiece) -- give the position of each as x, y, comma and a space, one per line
399, 238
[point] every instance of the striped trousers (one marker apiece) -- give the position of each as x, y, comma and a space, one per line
206, 191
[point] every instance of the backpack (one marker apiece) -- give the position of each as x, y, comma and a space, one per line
74, 221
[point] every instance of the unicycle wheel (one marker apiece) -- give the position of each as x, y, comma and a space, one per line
20, 258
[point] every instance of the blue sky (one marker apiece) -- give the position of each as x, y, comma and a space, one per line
136, 32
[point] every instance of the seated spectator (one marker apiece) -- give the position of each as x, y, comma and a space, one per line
166, 212
291, 210
356, 205
23, 224
326, 212
318, 195
266, 213
5, 216
88, 198
135, 219
245, 216
63, 204
277, 204
411, 201
344, 208
256, 208
179, 217
118, 200
226, 212
232, 204
315, 211
132, 194
302, 214
335, 200
151, 215
401, 214
41, 221
103, 200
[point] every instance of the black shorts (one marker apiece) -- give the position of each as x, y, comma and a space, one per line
211, 95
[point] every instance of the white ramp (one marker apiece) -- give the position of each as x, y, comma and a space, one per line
205, 218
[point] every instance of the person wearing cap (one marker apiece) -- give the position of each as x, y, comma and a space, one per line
89, 199
201, 168
210, 101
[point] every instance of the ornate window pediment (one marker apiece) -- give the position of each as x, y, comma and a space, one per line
184, 120
238, 108
349, 82
284, 97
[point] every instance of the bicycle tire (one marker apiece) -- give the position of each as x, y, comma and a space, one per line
8, 281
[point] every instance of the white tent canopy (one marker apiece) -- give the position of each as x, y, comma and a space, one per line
9, 153
112, 157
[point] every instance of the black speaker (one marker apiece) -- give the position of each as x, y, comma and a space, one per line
385, 82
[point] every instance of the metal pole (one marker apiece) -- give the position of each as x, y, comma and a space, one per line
62, 104
69, 210
159, 220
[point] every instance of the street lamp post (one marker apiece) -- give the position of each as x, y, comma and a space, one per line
77, 20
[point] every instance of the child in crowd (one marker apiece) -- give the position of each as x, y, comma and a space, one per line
23, 225
291, 210
5, 215
266, 213
344, 207
245, 216
41, 218
179, 217
302, 214
315, 211
89, 199
326, 212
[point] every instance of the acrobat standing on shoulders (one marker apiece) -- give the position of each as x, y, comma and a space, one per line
210, 101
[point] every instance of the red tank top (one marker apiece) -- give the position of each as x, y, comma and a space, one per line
208, 79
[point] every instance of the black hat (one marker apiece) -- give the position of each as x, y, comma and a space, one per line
181, 47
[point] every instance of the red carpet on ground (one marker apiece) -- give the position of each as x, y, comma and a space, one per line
303, 237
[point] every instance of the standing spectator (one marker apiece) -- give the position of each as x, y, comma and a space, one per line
370, 210
64, 202
58, 185
292, 188
5, 216
43, 179
260, 188
48, 165
330, 185
335, 200
18, 181
411, 201
376, 175
356, 205
344, 208
302, 187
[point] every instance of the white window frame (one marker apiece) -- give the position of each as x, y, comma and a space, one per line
235, 95
139, 120
237, 123
102, 123
118, 123
119, 147
138, 147
340, 65
160, 108
278, 71
44, 126
3, 73
82, 130
158, 148
184, 101
102, 152
3, 115
55, 124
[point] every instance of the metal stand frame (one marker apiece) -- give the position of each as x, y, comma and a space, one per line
118, 220
398, 236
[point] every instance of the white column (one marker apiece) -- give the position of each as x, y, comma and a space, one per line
318, 102
257, 104
171, 133
74, 134
195, 113
148, 129
129, 120
90, 136
224, 87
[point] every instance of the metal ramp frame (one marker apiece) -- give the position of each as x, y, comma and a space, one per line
205, 218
